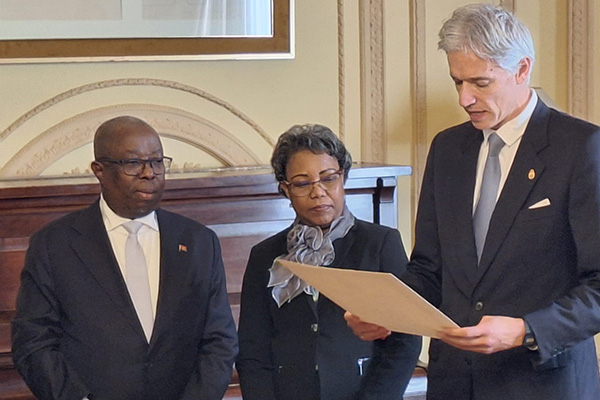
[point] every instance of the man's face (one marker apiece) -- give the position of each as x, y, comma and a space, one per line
490, 95
132, 196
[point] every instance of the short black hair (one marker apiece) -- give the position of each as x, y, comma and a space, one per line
317, 138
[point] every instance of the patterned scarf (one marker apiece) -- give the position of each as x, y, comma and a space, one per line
306, 245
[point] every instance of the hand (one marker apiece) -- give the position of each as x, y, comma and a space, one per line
492, 334
364, 330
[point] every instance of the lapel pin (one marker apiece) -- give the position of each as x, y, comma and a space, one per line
531, 174
183, 248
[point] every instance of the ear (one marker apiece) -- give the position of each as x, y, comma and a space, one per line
284, 189
524, 70
98, 170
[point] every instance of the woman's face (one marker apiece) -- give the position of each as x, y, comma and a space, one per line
319, 206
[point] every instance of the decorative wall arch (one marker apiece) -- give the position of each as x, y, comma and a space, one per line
76, 131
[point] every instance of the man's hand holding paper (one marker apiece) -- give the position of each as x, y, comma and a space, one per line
492, 334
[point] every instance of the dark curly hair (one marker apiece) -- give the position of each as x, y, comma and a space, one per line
316, 138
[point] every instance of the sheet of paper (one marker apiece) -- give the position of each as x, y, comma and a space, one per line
376, 297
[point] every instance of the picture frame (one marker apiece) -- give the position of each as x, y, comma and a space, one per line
278, 46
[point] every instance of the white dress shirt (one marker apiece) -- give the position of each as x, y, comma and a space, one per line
511, 133
149, 238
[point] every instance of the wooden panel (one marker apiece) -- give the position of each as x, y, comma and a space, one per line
4, 337
211, 212
236, 256
10, 271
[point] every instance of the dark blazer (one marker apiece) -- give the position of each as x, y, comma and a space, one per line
305, 350
76, 332
540, 264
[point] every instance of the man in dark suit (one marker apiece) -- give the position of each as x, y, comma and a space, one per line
523, 283
84, 331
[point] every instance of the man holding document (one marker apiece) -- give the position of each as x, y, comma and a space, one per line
507, 239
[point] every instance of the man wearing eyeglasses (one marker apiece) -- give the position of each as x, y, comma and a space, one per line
124, 300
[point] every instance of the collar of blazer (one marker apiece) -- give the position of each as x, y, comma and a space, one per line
92, 245
518, 184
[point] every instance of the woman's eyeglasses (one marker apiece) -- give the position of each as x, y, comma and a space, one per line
304, 188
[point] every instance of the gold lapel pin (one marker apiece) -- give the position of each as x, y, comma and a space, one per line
531, 174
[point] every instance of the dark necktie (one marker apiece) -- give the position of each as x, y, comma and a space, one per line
488, 194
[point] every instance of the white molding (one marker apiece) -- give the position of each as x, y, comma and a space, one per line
508, 4
420, 143
373, 126
580, 59
341, 72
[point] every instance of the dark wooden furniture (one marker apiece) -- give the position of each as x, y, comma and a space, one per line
241, 205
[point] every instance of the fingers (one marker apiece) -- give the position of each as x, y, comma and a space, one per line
464, 339
492, 334
364, 330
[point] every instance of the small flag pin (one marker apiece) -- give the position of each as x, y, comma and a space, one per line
183, 247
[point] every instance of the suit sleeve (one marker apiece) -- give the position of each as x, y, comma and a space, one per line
254, 363
394, 358
218, 347
36, 330
575, 317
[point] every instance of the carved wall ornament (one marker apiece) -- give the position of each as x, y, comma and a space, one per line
78, 130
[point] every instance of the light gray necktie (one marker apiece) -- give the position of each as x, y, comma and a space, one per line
488, 194
136, 277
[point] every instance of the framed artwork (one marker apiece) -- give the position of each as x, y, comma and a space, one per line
130, 30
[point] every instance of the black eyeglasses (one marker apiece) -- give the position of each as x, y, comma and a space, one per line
135, 166
303, 188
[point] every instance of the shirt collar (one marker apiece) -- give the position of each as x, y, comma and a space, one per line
512, 131
112, 221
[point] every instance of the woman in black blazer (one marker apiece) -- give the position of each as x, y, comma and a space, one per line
294, 342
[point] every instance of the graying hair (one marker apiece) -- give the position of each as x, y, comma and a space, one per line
316, 138
490, 32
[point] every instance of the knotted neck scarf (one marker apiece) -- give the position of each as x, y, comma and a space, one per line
306, 245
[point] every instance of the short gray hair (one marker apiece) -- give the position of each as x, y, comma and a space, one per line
316, 138
490, 32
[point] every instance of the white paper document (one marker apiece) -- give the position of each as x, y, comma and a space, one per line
375, 297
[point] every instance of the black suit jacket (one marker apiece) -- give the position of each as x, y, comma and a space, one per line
76, 332
305, 350
541, 264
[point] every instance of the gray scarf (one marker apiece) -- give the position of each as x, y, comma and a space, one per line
306, 245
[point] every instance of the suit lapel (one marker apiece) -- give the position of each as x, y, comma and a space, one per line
342, 248
175, 271
519, 184
93, 247
457, 206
